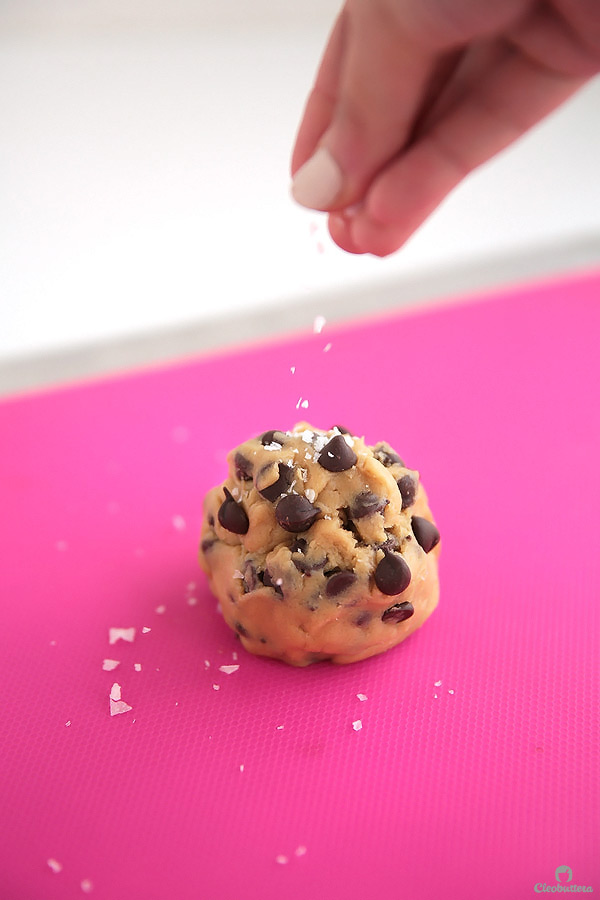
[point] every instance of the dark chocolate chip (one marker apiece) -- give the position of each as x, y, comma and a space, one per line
407, 486
398, 613
243, 467
272, 437
336, 455
267, 580
392, 575
211, 521
241, 630
339, 582
329, 572
367, 504
306, 566
363, 619
425, 532
279, 487
207, 543
342, 430
232, 515
299, 546
388, 457
295, 513
391, 543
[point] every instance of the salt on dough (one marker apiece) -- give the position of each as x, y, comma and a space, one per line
319, 547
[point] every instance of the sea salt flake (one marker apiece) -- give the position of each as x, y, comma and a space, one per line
121, 634
362, 696
319, 324
273, 445
435, 696
320, 441
310, 494
68, 723
115, 691
192, 601
54, 865
206, 664
326, 348
304, 404
137, 667
281, 859
437, 683
450, 692
299, 403
229, 670
109, 664
242, 767
303, 474
293, 370
86, 886
146, 629
357, 725
238, 574
307, 435
216, 687
349, 439
178, 523
300, 851
279, 727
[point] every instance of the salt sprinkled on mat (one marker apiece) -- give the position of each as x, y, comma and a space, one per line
54, 865
216, 687
120, 634
362, 696
281, 859
326, 348
137, 667
357, 725
178, 523
86, 886
192, 601
279, 727
109, 664
435, 696
206, 664
437, 683
145, 629
300, 851
117, 706
67, 723
160, 610
319, 324
450, 692
310, 494
293, 370
229, 670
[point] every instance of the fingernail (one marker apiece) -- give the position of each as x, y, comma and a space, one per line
318, 182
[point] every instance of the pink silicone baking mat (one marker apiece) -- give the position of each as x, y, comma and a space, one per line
475, 771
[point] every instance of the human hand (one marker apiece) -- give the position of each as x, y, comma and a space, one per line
412, 95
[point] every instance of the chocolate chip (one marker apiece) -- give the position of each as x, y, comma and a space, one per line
392, 575
272, 437
250, 577
342, 430
299, 546
339, 582
399, 612
243, 467
207, 543
391, 543
388, 457
232, 515
407, 486
211, 520
267, 580
329, 572
336, 455
273, 491
295, 513
241, 630
363, 619
367, 504
425, 532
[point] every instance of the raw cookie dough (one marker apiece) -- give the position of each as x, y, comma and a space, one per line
318, 546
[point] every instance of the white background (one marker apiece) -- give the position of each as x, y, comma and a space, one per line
144, 152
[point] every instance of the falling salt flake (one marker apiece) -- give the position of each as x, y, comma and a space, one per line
192, 601
279, 727
238, 574
310, 494
61, 546
326, 348
281, 859
450, 691
206, 664
67, 723
435, 696
180, 434
160, 610
362, 696
137, 667
54, 865
86, 886
319, 324
242, 767
299, 403
216, 687
115, 691
117, 706
121, 634
304, 404
145, 629
229, 670
437, 683
357, 725
300, 851
178, 523
293, 370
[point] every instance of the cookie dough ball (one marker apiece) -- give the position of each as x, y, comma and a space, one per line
318, 546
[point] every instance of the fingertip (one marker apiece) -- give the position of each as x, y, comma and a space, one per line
340, 229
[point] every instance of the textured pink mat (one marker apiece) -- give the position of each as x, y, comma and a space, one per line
475, 773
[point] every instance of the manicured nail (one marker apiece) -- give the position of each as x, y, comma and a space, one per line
318, 182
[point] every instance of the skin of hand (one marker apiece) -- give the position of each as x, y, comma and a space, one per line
412, 95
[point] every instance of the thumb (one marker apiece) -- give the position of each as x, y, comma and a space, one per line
384, 75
